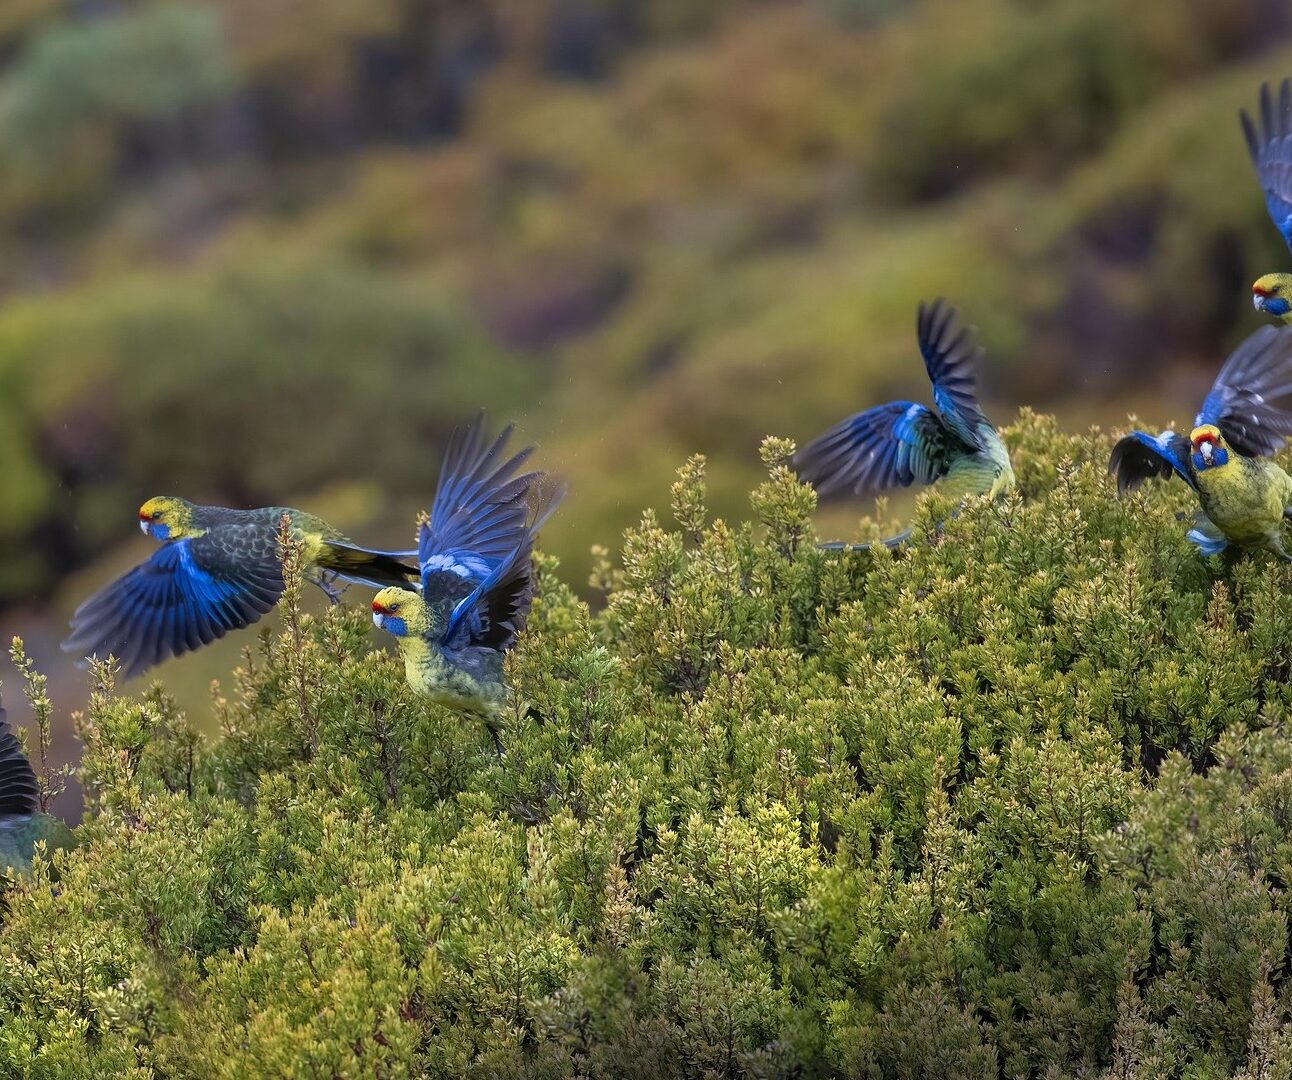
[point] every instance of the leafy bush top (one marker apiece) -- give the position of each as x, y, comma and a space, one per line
1014, 800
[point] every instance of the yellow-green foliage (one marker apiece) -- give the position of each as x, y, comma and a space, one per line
1013, 800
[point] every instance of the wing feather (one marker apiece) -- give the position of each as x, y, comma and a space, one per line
1270, 147
888, 446
188, 594
1140, 456
1251, 399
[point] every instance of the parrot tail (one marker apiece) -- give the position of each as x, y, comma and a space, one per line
889, 542
378, 569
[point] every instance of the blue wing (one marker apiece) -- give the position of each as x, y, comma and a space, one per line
480, 509
188, 594
1251, 399
1140, 456
1271, 148
494, 613
19, 795
951, 358
888, 446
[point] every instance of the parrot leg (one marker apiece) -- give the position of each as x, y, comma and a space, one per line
326, 581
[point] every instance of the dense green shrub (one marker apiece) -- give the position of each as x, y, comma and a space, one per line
1014, 800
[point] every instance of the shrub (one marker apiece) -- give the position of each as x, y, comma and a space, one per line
1013, 800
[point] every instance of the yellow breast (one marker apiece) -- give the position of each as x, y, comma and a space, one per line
1241, 498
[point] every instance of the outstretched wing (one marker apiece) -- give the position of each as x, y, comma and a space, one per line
1271, 148
496, 610
1251, 399
1140, 456
19, 795
888, 446
188, 594
480, 507
951, 358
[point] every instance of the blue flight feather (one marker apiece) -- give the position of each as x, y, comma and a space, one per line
1251, 399
1270, 146
902, 442
951, 359
480, 509
184, 596
1139, 456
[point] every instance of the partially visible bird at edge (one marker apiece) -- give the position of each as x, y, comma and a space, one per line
1269, 141
1246, 417
477, 582
216, 570
22, 822
902, 443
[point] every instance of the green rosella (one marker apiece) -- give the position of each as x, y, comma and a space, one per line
1270, 145
22, 823
474, 549
1246, 417
902, 442
217, 570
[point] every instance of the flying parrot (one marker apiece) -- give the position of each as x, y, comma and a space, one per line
1270, 145
217, 570
903, 442
1225, 458
22, 823
474, 550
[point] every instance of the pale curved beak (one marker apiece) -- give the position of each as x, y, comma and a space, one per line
378, 620
1258, 301
143, 526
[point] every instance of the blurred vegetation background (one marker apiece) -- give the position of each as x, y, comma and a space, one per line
271, 251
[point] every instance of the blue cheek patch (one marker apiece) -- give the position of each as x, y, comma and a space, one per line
1218, 458
393, 624
159, 531
1277, 305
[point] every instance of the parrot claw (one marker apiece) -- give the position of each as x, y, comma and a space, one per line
326, 581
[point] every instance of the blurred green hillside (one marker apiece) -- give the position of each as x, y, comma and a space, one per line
261, 251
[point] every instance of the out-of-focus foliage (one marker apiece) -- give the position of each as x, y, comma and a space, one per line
145, 67
260, 381
1010, 801
637, 228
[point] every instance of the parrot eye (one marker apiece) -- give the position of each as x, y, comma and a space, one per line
392, 608
156, 515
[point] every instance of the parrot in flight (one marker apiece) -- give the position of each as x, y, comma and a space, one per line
1270, 145
22, 823
902, 442
1245, 418
216, 570
477, 584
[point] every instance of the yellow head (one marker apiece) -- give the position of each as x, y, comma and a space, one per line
400, 612
1272, 294
1209, 448
168, 518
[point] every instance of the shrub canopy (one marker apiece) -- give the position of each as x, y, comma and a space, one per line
1013, 800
